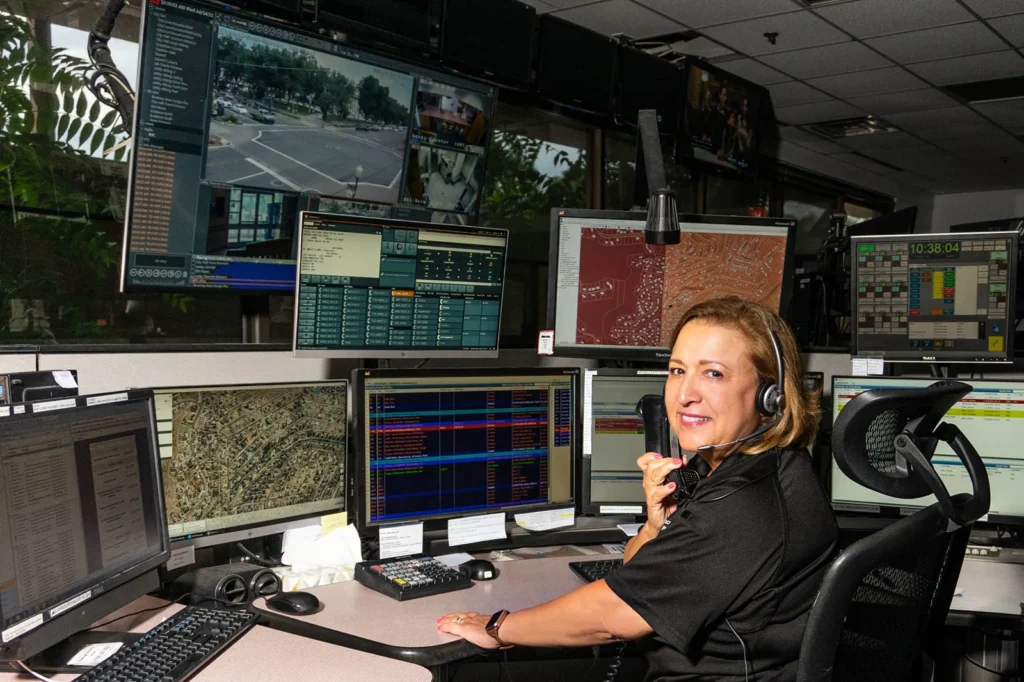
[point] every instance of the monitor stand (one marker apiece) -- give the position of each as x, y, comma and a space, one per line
55, 659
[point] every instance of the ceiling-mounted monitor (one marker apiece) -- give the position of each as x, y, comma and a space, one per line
492, 40
576, 66
240, 125
611, 295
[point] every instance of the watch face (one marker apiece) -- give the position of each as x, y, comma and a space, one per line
495, 619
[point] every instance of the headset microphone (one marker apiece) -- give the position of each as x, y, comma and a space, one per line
760, 431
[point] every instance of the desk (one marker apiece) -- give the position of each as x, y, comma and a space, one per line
993, 592
270, 656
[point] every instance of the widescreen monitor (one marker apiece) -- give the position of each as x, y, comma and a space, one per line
437, 444
722, 125
241, 125
897, 222
82, 527
613, 439
934, 297
576, 66
610, 294
249, 460
991, 416
392, 288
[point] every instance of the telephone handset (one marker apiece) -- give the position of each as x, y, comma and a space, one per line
658, 438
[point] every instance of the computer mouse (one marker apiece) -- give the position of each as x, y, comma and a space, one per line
295, 603
479, 569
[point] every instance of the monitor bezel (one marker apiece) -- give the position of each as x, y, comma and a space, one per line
684, 146
587, 506
952, 357
890, 511
651, 354
257, 530
414, 353
270, 23
435, 522
84, 613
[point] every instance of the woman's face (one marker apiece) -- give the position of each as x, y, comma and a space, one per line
711, 387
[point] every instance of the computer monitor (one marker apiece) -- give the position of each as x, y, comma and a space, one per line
934, 297
242, 124
897, 222
250, 460
437, 444
397, 289
613, 438
81, 515
989, 416
610, 294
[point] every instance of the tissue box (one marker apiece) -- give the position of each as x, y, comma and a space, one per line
293, 581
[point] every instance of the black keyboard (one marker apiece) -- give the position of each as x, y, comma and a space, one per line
176, 649
592, 571
410, 577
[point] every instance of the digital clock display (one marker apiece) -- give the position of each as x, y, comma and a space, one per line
938, 249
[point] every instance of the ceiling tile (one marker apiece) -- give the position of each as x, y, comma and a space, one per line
873, 82
796, 30
865, 163
1015, 126
827, 60
702, 47
541, 5
699, 13
753, 70
794, 92
938, 43
619, 16
977, 67
1011, 108
822, 146
995, 8
1012, 28
984, 146
932, 119
890, 140
565, 4
974, 131
899, 102
868, 18
815, 113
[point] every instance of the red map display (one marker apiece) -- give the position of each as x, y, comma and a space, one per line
632, 293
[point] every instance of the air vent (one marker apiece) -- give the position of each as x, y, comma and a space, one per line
988, 91
232, 589
851, 127
679, 44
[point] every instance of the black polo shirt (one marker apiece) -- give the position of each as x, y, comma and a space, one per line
751, 547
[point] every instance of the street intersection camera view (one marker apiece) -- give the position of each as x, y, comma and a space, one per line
242, 125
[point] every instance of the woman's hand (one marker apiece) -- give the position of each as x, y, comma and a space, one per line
660, 503
471, 627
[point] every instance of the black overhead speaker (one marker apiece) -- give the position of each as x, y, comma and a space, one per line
662, 213
576, 65
492, 39
228, 584
649, 82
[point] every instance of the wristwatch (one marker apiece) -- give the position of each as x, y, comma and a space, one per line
492, 628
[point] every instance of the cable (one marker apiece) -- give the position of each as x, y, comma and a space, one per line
743, 647
616, 664
33, 673
422, 363
1012, 674
256, 558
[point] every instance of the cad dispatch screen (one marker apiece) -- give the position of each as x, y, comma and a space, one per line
928, 297
616, 291
992, 418
394, 285
437, 446
242, 125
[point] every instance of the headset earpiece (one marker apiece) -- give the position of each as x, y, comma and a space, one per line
770, 394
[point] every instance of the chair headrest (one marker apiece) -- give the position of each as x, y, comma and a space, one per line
884, 439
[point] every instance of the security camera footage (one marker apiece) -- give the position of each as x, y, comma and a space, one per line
722, 116
241, 125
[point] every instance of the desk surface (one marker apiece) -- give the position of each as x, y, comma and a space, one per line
270, 656
990, 588
357, 610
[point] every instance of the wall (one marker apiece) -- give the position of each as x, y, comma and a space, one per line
953, 209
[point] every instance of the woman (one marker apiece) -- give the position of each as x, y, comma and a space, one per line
724, 581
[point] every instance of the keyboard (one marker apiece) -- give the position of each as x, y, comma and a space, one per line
410, 577
592, 571
176, 649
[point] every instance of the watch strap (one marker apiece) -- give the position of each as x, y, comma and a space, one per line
494, 624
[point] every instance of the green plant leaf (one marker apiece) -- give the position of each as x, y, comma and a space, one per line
86, 132
62, 125
69, 101
119, 154
108, 119
97, 140
76, 123
94, 111
80, 105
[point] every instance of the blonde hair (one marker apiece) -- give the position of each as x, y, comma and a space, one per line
800, 410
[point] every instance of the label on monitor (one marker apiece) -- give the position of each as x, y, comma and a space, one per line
106, 399
70, 604
858, 508
546, 342
21, 628
5, 411
19, 409
621, 509
52, 405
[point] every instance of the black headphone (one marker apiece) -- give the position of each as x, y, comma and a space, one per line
770, 394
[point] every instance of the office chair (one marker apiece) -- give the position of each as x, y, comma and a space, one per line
884, 598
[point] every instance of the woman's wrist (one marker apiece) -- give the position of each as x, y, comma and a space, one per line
651, 531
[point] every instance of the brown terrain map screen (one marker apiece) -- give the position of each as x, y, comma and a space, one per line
632, 294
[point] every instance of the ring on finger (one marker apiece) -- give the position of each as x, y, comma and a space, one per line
457, 620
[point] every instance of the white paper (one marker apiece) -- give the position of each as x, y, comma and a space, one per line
51, 405
106, 399
64, 378
547, 519
958, 592
588, 411
19, 409
181, 557
476, 529
293, 537
5, 411
860, 367
94, 654
401, 540
338, 549
630, 529
634, 509
616, 549
876, 366
546, 342
453, 560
